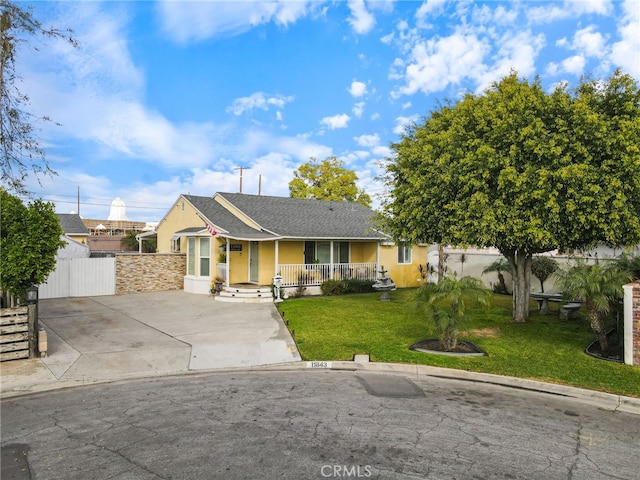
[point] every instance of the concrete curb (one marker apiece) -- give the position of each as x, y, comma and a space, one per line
606, 401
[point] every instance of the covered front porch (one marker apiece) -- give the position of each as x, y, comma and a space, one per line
309, 275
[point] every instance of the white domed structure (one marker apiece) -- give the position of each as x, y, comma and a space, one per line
118, 211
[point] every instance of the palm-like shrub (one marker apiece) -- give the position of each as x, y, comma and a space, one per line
630, 263
597, 286
499, 266
445, 302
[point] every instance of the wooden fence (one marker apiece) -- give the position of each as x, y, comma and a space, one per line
16, 333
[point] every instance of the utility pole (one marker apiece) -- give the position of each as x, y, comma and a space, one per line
78, 199
241, 170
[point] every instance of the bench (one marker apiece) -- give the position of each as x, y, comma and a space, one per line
570, 310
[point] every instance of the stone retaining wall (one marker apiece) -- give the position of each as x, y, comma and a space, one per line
149, 272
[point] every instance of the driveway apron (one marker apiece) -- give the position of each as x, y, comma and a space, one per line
113, 337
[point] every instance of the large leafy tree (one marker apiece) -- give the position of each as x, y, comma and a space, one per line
21, 153
30, 236
327, 180
522, 170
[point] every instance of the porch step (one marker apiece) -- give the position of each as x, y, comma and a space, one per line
243, 294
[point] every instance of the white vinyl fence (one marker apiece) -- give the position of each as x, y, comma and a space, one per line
80, 277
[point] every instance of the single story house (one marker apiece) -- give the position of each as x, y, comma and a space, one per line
248, 239
75, 236
73, 227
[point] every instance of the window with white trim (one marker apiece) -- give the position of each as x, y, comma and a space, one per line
404, 253
205, 257
191, 256
175, 244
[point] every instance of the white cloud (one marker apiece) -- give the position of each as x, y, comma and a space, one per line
358, 109
570, 8
336, 121
357, 89
430, 8
626, 52
368, 140
96, 93
403, 122
517, 51
189, 21
440, 61
257, 100
361, 20
589, 42
574, 65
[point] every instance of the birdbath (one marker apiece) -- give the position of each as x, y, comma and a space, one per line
384, 285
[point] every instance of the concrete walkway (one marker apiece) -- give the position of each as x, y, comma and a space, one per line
116, 337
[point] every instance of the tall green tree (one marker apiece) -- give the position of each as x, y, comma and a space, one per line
522, 170
327, 180
30, 236
21, 151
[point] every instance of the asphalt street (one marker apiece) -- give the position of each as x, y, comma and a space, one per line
312, 424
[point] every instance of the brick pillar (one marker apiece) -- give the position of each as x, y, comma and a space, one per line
632, 324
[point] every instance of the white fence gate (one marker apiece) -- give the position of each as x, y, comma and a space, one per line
80, 277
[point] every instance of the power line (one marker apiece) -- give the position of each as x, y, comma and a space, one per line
105, 204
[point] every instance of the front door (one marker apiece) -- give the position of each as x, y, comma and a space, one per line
253, 262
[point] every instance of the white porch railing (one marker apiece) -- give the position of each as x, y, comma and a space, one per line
314, 274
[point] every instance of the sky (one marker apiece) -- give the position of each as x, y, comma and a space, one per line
164, 98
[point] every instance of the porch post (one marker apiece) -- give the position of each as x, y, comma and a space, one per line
331, 260
228, 253
277, 252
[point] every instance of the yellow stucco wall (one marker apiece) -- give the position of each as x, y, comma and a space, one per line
182, 215
79, 238
290, 252
239, 263
362, 252
404, 275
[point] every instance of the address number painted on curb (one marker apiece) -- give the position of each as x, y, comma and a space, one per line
318, 364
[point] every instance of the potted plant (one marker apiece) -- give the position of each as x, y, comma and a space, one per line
217, 284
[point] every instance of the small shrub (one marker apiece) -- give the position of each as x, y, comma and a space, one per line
343, 287
358, 286
333, 287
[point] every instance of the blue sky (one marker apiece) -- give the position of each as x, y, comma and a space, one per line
171, 97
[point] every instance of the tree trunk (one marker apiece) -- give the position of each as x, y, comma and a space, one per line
521, 283
440, 262
599, 328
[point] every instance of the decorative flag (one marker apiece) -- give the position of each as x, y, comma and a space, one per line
211, 230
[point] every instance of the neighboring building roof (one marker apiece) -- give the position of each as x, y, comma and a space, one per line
72, 224
73, 249
284, 217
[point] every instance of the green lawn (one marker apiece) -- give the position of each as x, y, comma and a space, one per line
545, 348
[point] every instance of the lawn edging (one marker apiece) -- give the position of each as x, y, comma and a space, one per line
607, 401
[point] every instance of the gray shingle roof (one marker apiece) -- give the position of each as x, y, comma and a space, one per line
72, 224
225, 220
302, 218
284, 217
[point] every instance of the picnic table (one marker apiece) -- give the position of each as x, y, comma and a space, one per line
543, 300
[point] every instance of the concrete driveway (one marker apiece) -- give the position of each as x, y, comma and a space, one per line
105, 338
